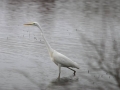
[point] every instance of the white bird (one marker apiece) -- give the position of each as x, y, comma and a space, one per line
59, 59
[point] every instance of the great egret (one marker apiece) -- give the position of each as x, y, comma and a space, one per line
59, 59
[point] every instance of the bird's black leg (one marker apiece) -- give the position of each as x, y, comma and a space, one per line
59, 71
72, 70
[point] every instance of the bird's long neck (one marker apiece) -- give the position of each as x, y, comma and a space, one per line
47, 44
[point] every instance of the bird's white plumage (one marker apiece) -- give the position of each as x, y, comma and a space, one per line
59, 58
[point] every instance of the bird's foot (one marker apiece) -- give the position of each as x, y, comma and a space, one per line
74, 73
58, 78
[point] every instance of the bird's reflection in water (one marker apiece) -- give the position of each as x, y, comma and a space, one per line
63, 83
64, 80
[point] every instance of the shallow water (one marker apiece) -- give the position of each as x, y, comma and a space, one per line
24, 59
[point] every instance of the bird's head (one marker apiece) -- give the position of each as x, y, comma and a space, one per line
33, 24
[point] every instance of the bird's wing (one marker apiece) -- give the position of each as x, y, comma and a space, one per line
63, 60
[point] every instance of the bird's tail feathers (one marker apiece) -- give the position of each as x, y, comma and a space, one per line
76, 65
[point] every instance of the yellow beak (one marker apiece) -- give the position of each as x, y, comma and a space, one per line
28, 24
